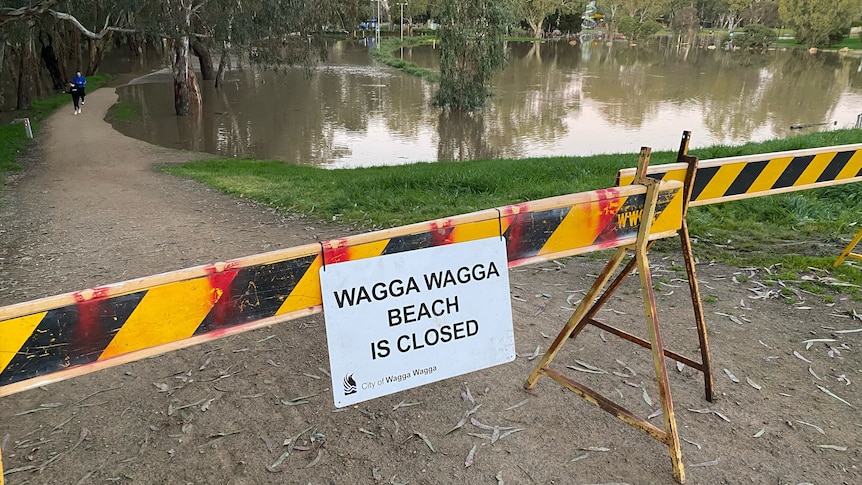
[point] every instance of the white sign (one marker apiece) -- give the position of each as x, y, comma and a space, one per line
403, 320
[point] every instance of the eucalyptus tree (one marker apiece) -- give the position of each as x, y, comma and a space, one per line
536, 11
472, 48
819, 22
643, 10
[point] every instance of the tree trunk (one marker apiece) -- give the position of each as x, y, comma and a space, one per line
537, 27
2, 55
187, 96
97, 54
76, 49
25, 71
219, 80
205, 58
52, 64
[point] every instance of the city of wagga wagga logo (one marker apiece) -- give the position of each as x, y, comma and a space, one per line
426, 310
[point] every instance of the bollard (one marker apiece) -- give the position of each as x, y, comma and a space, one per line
27, 128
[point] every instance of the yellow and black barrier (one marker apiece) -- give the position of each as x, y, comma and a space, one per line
733, 178
59, 337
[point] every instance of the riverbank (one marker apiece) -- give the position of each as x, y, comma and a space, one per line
815, 224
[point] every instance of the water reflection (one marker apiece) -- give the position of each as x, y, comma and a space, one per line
552, 99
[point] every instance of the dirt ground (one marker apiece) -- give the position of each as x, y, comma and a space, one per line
89, 209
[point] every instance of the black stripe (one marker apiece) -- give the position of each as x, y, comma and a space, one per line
255, 293
701, 180
529, 232
657, 176
793, 171
63, 339
839, 161
408, 243
746, 178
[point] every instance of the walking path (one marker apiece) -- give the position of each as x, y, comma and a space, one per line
91, 209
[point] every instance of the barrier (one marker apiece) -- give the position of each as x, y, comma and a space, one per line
733, 178
593, 301
55, 338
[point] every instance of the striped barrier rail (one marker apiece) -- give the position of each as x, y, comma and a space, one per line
59, 337
733, 178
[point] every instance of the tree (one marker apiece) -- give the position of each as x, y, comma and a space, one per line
757, 37
472, 48
535, 12
763, 13
685, 21
634, 29
817, 22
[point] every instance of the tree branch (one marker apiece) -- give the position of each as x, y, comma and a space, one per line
8, 15
105, 31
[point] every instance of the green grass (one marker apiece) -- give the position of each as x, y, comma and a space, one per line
13, 138
125, 111
386, 55
797, 230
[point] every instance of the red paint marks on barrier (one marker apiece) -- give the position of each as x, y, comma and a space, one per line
91, 294
221, 266
441, 234
336, 251
220, 297
607, 224
89, 336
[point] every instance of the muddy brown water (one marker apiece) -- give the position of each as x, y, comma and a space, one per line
552, 99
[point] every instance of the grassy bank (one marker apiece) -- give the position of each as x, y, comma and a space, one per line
13, 138
389, 47
805, 227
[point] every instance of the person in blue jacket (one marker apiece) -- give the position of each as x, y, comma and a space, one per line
80, 82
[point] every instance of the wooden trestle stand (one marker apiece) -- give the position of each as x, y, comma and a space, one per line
848, 251
586, 311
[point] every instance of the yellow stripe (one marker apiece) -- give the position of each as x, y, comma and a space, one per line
815, 169
852, 167
770, 174
719, 183
14, 333
670, 218
479, 230
307, 292
580, 227
166, 314
367, 250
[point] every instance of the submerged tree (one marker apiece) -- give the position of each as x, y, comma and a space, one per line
472, 48
818, 22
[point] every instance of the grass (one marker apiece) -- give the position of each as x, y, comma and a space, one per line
386, 55
13, 138
125, 111
793, 231
852, 43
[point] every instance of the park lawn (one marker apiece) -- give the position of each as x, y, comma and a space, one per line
743, 232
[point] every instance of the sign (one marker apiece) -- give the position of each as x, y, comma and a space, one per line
403, 320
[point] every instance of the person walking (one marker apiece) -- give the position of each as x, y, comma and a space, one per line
76, 97
80, 82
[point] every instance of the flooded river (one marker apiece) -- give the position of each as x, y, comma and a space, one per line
553, 98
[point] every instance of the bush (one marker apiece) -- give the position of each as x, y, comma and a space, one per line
756, 37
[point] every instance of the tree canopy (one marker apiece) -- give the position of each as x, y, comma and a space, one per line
472, 47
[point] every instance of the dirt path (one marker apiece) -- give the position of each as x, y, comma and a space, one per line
89, 209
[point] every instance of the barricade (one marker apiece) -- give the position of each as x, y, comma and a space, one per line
56, 338
60, 337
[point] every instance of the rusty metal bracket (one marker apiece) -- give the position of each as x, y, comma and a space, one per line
586, 310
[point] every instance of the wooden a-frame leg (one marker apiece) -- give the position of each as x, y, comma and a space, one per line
848, 250
697, 306
577, 318
671, 438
